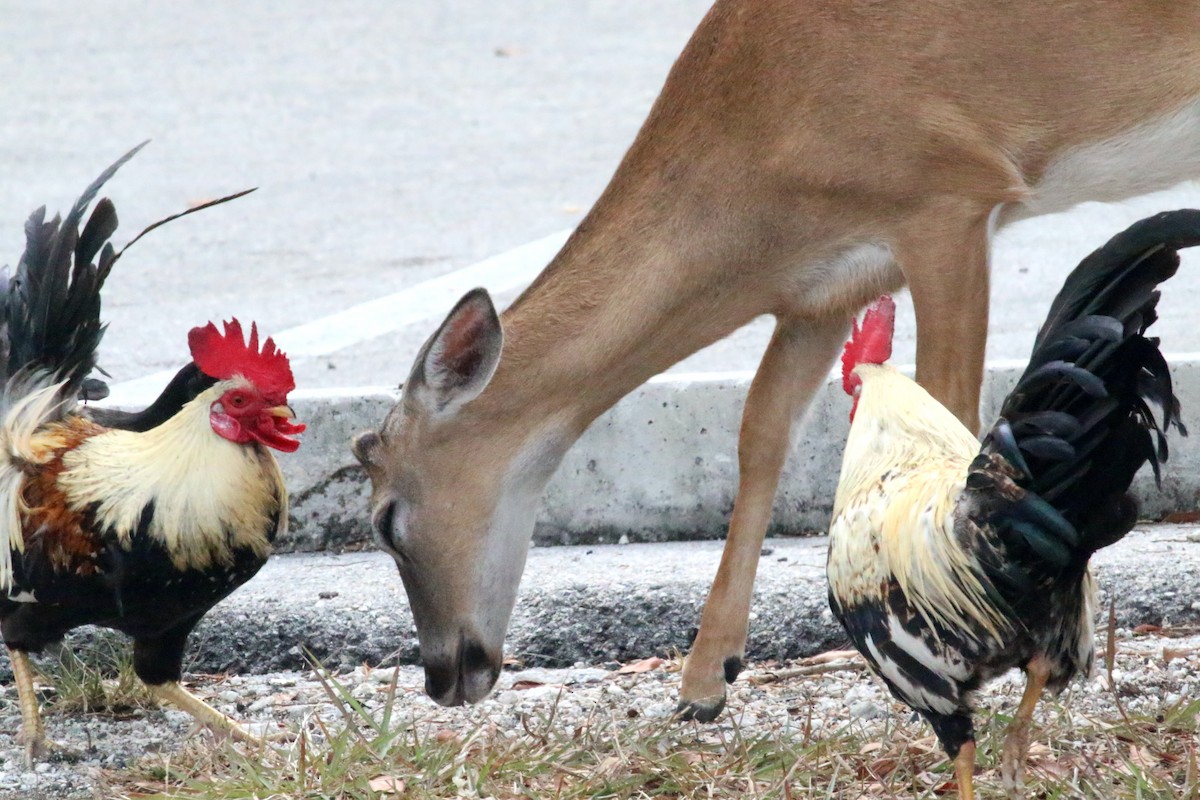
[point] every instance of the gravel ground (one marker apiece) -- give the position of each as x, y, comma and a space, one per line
1153, 672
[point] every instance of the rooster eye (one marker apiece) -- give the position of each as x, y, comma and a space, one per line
238, 400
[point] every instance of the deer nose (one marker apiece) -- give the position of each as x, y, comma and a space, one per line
466, 676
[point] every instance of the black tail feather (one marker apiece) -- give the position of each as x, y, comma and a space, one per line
1081, 420
51, 307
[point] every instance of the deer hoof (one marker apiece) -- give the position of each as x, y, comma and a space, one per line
705, 709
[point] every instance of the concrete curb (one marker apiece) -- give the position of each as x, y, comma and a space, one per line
661, 465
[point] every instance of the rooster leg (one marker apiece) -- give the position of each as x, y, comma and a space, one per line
205, 714
31, 721
964, 771
793, 367
1016, 744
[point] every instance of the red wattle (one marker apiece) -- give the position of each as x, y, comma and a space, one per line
277, 432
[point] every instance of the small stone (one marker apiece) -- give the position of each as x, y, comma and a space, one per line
260, 704
659, 710
587, 675
538, 693
866, 710
261, 729
383, 676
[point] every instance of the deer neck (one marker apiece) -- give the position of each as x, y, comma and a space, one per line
603, 318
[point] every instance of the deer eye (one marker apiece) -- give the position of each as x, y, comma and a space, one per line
385, 522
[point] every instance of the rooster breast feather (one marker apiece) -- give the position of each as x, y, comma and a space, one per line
78, 488
904, 536
894, 515
908, 594
210, 497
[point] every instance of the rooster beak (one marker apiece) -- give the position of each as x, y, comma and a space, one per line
282, 411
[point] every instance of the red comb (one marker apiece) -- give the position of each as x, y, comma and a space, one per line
872, 343
223, 355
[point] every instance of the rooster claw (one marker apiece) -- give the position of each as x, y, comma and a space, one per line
281, 737
42, 749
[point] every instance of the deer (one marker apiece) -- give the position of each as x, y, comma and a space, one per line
803, 157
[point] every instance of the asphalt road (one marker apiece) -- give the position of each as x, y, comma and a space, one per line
601, 603
391, 143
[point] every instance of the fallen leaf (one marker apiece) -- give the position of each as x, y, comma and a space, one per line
1178, 517
1147, 628
1172, 653
519, 685
1142, 757
1039, 750
387, 784
946, 787
645, 665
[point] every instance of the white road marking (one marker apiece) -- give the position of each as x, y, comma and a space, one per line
428, 300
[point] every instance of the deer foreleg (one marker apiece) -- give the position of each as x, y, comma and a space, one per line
796, 364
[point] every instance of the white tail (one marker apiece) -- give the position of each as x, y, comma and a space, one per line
804, 157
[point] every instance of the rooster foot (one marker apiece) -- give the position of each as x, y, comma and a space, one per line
38, 749
281, 737
1012, 761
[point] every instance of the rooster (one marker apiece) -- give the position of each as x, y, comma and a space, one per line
951, 562
142, 529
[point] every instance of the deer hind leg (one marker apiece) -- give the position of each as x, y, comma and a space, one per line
795, 365
944, 258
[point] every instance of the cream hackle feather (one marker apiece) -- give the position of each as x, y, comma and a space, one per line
22, 444
210, 495
904, 467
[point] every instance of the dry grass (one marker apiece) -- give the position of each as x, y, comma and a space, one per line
1096, 749
94, 677
612, 756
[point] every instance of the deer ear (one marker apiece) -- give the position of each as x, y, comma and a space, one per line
459, 359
